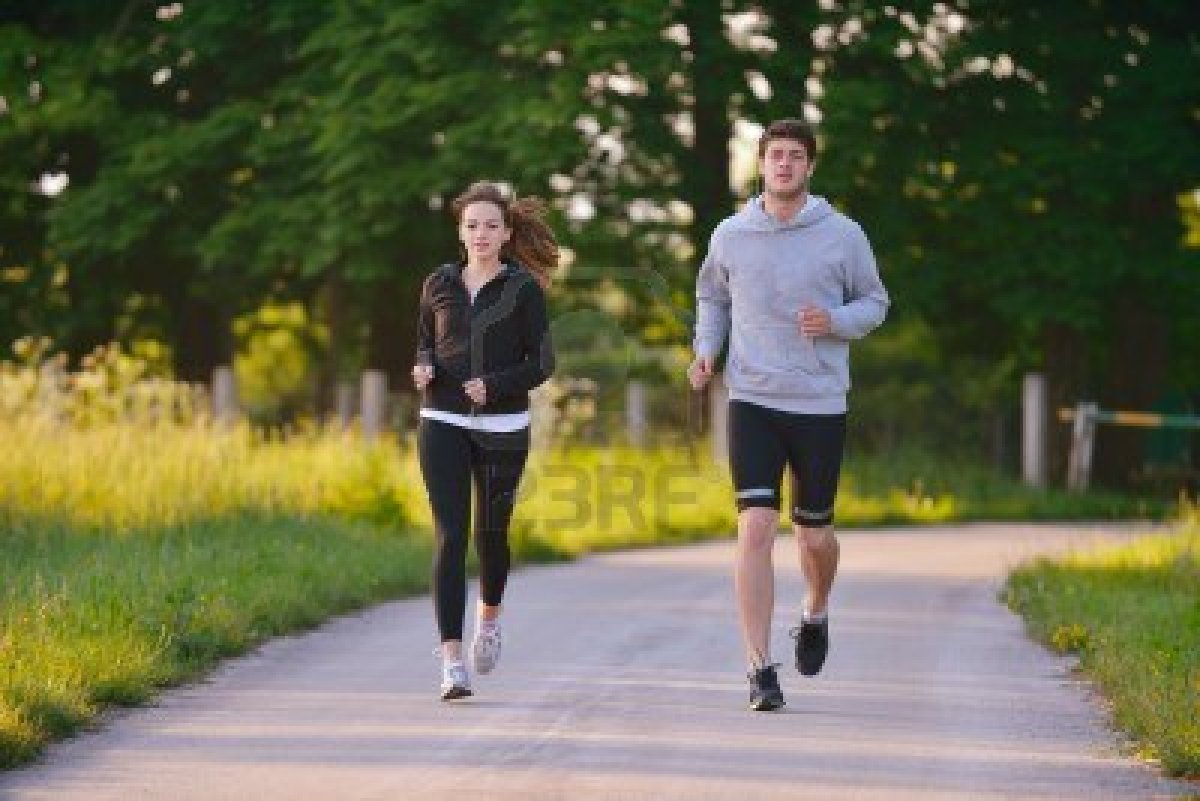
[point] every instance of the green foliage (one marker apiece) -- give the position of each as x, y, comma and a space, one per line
1027, 173
1020, 175
277, 346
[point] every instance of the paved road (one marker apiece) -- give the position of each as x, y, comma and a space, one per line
622, 679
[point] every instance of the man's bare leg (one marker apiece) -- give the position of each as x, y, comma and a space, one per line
819, 552
754, 580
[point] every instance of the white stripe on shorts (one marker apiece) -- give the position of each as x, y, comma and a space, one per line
757, 492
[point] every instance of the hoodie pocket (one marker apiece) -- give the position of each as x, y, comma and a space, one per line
775, 348
834, 355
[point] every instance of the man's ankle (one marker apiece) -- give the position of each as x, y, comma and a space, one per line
808, 615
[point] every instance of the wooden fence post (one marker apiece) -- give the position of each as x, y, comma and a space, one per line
224, 394
637, 416
1083, 441
1033, 430
374, 402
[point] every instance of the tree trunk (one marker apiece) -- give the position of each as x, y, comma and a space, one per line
705, 184
791, 25
203, 338
392, 337
1133, 381
331, 312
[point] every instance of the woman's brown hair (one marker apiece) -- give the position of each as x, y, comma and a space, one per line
532, 243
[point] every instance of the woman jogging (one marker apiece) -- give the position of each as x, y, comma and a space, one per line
483, 345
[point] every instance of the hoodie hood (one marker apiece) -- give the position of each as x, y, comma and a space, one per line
754, 216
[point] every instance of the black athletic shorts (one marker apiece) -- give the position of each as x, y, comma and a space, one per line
762, 441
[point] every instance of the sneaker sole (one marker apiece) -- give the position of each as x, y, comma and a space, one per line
455, 693
768, 705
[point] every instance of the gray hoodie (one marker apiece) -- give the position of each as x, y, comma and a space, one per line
758, 274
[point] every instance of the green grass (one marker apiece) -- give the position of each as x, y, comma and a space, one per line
1132, 615
920, 487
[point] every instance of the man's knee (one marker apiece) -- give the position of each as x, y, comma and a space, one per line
757, 526
816, 537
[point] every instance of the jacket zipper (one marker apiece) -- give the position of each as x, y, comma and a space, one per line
470, 307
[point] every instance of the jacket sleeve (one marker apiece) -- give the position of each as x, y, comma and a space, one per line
538, 363
712, 303
866, 300
424, 354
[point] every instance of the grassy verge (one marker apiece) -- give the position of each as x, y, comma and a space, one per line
90, 619
1132, 615
922, 487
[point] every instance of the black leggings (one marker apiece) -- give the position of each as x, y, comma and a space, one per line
451, 458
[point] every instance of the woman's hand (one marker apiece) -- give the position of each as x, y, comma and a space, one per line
422, 374
476, 390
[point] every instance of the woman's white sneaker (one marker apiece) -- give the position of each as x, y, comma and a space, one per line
455, 681
485, 648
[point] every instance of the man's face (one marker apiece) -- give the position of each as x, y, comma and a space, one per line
785, 168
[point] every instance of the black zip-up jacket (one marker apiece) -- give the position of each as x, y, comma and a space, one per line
503, 338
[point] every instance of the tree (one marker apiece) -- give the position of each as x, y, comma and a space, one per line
1026, 195
48, 133
188, 86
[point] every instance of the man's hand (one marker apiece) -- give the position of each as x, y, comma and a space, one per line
476, 390
422, 374
700, 372
814, 321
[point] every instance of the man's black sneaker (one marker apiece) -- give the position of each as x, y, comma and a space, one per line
812, 644
765, 694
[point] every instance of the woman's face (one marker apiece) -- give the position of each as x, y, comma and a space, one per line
482, 230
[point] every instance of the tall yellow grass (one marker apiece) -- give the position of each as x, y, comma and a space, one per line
110, 446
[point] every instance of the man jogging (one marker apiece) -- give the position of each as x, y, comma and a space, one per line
793, 281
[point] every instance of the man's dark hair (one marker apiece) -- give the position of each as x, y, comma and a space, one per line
789, 129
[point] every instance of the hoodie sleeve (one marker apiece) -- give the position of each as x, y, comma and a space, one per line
712, 303
866, 300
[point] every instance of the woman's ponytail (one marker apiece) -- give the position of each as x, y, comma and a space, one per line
532, 243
